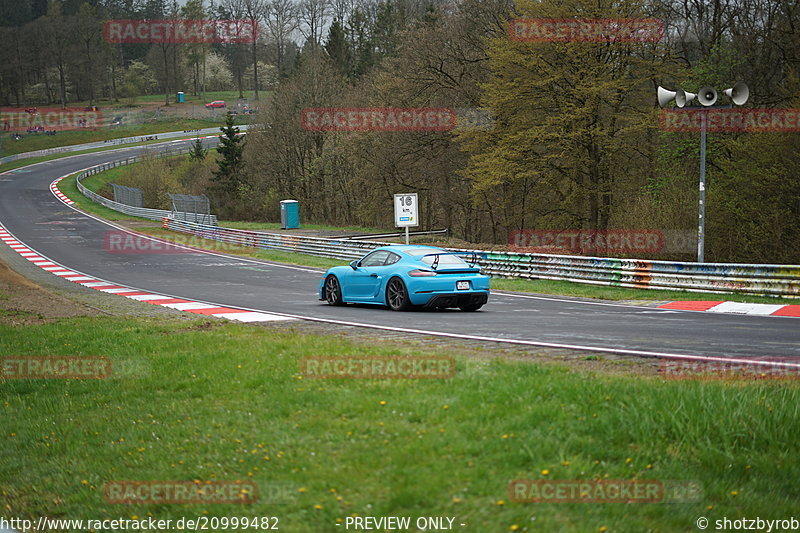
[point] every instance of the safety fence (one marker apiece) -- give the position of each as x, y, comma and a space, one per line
152, 214
771, 280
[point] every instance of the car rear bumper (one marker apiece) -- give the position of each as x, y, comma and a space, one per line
458, 299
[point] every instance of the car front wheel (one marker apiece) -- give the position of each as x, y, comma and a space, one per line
333, 291
397, 295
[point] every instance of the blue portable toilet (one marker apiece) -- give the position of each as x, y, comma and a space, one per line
180, 98
290, 214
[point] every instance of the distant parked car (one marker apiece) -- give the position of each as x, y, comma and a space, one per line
215, 104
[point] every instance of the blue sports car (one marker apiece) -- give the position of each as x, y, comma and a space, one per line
405, 276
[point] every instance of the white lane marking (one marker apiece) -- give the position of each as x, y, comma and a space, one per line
252, 317
740, 308
567, 300
577, 347
191, 306
115, 291
150, 297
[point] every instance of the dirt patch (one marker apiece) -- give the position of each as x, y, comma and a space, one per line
22, 302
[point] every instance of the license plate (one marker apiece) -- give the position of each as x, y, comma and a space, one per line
462, 285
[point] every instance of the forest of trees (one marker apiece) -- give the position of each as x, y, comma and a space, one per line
575, 140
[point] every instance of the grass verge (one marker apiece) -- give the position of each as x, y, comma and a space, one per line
31, 143
220, 401
5, 167
267, 226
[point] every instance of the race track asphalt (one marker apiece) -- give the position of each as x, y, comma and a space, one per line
29, 211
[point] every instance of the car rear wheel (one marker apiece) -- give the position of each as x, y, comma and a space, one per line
333, 291
397, 295
470, 307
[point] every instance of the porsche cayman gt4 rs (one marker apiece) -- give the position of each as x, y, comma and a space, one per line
402, 277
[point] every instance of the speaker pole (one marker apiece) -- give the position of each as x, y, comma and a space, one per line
701, 230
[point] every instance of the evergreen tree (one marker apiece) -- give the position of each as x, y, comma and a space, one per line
337, 48
198, 153
229, 177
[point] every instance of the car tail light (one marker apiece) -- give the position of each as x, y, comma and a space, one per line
421, 273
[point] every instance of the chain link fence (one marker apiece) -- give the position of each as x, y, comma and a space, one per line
152, 214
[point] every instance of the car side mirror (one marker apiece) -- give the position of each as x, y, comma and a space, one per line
354, 265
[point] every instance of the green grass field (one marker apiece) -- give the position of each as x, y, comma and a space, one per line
228, 402
5, 167
30, 143
210, 96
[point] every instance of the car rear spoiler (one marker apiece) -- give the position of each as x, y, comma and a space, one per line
473, 258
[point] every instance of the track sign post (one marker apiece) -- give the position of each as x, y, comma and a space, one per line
406, 213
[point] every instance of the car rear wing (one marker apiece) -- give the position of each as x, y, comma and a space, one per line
473, 258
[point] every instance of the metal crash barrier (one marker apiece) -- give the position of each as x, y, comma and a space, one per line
768, 280
152, 214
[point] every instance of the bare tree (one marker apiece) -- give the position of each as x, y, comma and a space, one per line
89, 34
342, 9
254, 10
235, 10
57, 32
281, 18
313, 15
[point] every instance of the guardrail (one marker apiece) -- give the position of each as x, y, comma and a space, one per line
768, 280
152, 214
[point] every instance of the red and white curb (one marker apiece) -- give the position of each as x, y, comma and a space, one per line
60, 195
735, 308
189, 306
